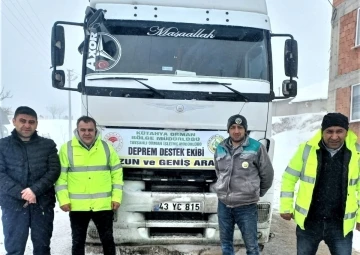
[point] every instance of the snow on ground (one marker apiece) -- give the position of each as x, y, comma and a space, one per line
288, 132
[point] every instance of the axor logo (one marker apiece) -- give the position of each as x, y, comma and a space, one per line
104, 52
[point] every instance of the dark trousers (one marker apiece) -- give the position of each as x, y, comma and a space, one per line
16, 224
246, 219
331, 232
103, 221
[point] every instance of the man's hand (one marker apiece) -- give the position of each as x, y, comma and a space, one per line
32, 201
66, 208
287, 216
28, 195
358, 226
115, 205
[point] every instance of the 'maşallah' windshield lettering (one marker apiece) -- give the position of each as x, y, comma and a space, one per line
174, 32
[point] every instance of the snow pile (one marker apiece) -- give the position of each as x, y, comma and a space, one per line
288, 133
313, 92
301, 122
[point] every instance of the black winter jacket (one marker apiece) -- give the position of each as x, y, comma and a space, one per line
34, 164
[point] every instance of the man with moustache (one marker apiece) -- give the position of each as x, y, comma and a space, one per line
90, 185
244, 173
29, 167
326, 169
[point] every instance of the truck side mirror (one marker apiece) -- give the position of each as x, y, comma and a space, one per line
291, 58
57, 45
58, 79
289, 88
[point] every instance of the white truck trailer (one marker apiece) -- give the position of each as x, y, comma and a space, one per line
161, 78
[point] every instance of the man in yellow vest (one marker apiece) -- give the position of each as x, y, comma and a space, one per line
327, 169
90, 185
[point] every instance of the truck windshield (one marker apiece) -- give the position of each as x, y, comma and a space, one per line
136, 47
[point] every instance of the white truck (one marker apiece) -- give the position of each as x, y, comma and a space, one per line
161, 78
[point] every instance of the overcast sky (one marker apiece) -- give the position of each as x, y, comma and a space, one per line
25, 46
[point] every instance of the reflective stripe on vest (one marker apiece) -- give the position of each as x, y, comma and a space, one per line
73, 168
293, 172
353, 181
304, 178
349, 216
301, 210
60, 187
117, 186
88, 168
308, 179
358, 150
107, 152
90, 196
287, 194
116, 167
357, 147
70, 154
305, 157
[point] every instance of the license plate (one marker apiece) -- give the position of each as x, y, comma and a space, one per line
177, 207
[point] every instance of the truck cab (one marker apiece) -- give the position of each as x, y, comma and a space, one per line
161, 78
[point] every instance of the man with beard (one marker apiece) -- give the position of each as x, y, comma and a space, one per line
244, 173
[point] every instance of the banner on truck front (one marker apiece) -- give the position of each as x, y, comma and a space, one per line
147, 148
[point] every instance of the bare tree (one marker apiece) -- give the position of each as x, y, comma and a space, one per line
4, 94
61, 110
7, 110
55, 111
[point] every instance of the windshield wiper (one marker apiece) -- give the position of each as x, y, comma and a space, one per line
119, 78
155, 91
201, 82
245, 98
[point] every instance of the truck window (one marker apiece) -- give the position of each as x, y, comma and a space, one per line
224, 52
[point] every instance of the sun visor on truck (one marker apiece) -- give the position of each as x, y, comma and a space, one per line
94, 19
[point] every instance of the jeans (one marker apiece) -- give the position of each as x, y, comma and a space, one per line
330, 231
246, 219
103, 221
16, 224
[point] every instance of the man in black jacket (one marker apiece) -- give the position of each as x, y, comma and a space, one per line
29, 167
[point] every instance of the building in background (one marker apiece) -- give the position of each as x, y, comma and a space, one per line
344, 78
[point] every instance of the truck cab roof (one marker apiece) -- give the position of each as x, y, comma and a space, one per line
256, 6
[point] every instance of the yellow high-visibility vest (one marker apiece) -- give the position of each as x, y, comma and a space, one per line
302, 168
90, 179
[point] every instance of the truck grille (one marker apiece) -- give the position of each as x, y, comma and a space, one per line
179, 232
175, 216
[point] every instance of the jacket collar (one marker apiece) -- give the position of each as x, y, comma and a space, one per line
227, 143
78, 139
15, 135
